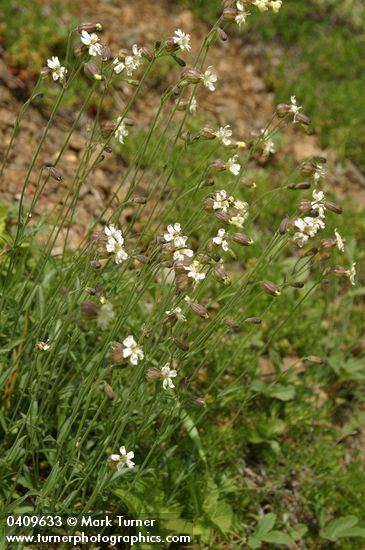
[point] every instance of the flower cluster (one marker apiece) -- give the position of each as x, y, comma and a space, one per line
128, 63
264, 5
174, 235
58, 72
123, 459
182, 40
121, 130
91, 41
309, 226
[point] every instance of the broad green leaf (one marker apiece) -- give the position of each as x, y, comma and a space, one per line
265, 525
277, 537
342, 527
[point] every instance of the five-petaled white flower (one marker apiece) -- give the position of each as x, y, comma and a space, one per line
92, 41
194, 271
180, 254
319, 173
224, 134
339, 241
238, 220
174, 234
121, 132
182, 40
242, 207
308, 227
242, 14
317, 203
132, 350
209, 78
233, 165
123, 459
220, 241
275, 5
105, 315
177, 312
166, 375
58, 72
294, 108
115, 243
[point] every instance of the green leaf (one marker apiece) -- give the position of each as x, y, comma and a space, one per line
254, 543
281, 392
277, 537
265, 525
222, 517
342, 527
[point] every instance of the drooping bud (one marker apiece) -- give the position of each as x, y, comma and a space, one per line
171, 45
232, 324
117, 353
221, 276
253, 320
199, 310
207, 133
143, 259
328, 243
223, 217
315, 359
92, 71
270, 288
105, 53
207, 183
147, 53
219, 165
89, 309
199, 401
55, 173
181, 344
307, 169
303, 119
283, 226
90, 27
333, 207
108, 390
241, 238
305, 205
222, 35
301, 185
297, 284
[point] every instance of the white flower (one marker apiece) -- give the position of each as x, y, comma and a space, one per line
91, 40
174, 234
124, 459
193, 106
238, 220
132, 350
233, 166
269, 145
58, 72
294, 108
105, 315
242, 207
275, 5
42, 346
220, 241
121, 132
182, 40
262, 5
308, 227
319, 173
177, 313
179, 255
119, 66
115, 243
209, 78
318, 203
194, 271
242, 15
224, 134
221, 201
352, 273
167, 374
339, 241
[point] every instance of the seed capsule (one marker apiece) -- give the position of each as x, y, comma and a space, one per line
303, 119
222, 35
92, 71
229, 14
282, 110
89, 309
240, 238
301, 185
333, 207
191, 75
89, 27
199, 310
253, 320
315, 359
218, 165
233, 324
283, 226
153, 374
270, 288
297, 284
207, 133
55, 173
221, 276
181, 344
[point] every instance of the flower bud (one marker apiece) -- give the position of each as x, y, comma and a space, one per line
307, 169
153, 374
108, 390
89, 309
199, 310
223, 217
301, 185
283, 226
297, 284
95, 264
181, 344
303, 119
240, 238
91, 70
171, 45
139, 200
145, 260
315, 359
208, 183
147, 53
328, 243
282, 110
208, 203
200, 401
221, 276
333, 207
191, 75
55, 173
253, 320
270, 288
182, 281
89, 27
222, 35
105, 53
232, 324
305, 205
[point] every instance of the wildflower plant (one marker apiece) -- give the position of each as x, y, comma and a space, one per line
144, 299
